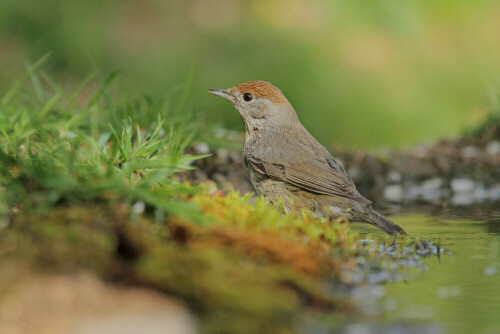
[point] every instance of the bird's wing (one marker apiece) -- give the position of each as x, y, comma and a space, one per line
319, 174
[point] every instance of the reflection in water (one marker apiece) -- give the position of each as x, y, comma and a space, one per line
460, 290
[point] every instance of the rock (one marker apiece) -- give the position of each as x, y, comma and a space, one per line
201, 148
430, 190
416, 168
152, 323
462, 185
461, 199
219, 177
236, 157
393, 193
421, 151
222, 155
432, 185
83, 304
394, 176
493, 148
220, 133
443, 163
494, 192
469, 152
480, 193
138, 207
413, 192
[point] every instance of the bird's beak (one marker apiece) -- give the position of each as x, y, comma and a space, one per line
222, 93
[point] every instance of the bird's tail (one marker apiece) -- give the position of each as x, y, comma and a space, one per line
373, 217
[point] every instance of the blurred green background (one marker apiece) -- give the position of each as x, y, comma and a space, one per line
361, 74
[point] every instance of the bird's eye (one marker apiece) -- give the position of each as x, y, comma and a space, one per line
247, 97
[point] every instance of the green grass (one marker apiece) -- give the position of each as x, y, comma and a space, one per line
56, 149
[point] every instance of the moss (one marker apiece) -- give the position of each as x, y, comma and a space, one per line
246, 269
269, 247
233, 210
64, 239
232, 294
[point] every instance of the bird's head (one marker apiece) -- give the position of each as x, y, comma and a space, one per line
260, 104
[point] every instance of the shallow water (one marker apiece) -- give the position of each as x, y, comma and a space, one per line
457, 292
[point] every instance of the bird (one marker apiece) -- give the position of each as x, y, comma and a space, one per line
287, 165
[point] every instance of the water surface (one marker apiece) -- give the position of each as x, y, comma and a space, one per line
459, 291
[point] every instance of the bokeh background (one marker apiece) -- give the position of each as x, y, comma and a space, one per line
361, 74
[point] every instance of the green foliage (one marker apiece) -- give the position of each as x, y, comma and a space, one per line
56, 149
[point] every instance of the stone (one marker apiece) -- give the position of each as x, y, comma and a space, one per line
432, 184
201, 148
462, 199
430, 190
394, 176
480, 193
83, 304
470, 152
494, 192
493, 148
222, 155
462, 185
393, 193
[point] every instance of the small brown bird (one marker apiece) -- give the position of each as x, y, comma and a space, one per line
284, 161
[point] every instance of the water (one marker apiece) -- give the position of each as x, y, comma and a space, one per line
457, 292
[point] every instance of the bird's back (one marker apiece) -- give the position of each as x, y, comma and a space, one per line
294, 156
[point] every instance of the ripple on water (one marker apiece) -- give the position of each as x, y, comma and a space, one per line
459, 291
